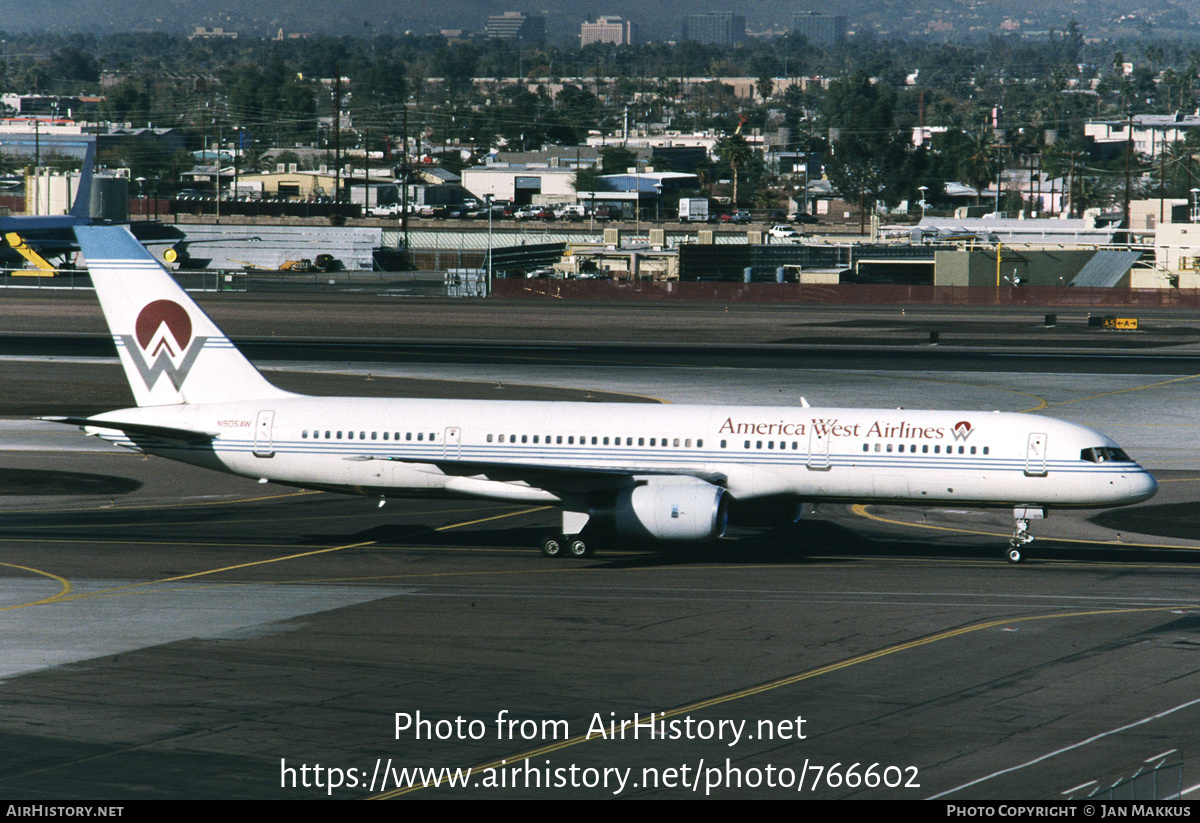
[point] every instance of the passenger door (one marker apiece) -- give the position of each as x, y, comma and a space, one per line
263, 434
1035, 455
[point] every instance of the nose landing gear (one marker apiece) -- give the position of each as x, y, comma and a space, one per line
1021, 535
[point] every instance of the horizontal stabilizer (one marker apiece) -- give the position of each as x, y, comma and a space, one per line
163, 432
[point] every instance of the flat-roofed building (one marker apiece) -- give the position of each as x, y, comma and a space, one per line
722, 28
513, 25
820, 29
608, 30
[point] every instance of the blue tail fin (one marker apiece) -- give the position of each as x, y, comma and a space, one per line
82, 207
171, 350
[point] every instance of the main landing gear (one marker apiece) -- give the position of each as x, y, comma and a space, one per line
566, 545
570, 542
1021, 535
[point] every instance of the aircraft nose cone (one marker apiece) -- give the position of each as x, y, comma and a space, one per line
1142, 486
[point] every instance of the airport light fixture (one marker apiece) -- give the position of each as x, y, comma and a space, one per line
487, 199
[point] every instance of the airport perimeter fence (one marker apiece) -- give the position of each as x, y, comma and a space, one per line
236, 280
79, 279
1163, 781
849, 294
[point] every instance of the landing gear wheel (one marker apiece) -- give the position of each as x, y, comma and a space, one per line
1020, 538
578, 548
552, 546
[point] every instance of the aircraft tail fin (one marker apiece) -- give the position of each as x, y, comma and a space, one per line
82, 207
171, 350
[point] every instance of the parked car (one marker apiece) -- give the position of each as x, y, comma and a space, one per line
449, 211
530, 212
481, 213
571, 212
388, 210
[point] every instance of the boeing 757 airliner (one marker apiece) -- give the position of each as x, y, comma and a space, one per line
669, 472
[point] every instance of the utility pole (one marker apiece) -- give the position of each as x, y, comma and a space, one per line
1128, 177
404, 180
1162, 177
337, 143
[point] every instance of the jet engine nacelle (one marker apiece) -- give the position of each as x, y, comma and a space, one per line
672, 511
776, 510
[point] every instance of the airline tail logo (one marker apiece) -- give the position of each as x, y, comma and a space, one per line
162, 343
962, 430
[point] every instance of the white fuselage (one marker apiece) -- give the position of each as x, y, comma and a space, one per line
414, 447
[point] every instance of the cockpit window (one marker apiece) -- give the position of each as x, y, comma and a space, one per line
1103, 454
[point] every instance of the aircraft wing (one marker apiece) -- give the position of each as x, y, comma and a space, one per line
565, 479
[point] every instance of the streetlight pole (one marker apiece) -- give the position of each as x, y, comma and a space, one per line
487, 198
637, 196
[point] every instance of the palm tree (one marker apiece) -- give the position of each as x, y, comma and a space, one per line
980, 166
735, 151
